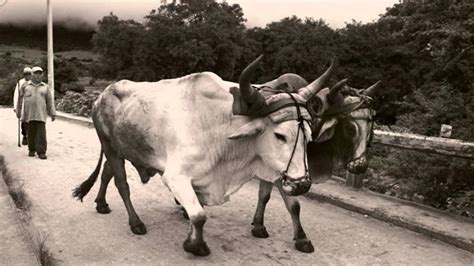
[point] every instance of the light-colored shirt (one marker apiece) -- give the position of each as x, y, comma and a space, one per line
17, 91
37, 101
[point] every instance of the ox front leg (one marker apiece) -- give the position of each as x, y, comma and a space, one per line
264, 192
184, 193
302, 243
120, 178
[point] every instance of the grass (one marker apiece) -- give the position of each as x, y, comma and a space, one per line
15, 188
33, 55
22, 203
30, 55
42, 251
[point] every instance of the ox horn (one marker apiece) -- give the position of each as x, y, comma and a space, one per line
249, 94
334, 91
315, 86
370, 91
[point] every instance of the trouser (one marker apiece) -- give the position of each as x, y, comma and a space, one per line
37, 137
24, 128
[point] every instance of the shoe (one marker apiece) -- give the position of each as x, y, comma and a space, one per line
42, 156
31, 153
24, 141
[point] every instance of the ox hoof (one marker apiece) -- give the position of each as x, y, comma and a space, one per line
104, 209
260, 231
139, 229
304, 245
198, 248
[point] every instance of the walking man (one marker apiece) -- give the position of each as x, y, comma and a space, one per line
38, 104
19, 84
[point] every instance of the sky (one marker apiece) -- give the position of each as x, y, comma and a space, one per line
257, 12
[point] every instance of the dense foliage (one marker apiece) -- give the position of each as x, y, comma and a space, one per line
421, 51
8, 80
175, 40
66, 76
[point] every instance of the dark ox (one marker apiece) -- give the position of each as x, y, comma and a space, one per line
206, 137
342, 129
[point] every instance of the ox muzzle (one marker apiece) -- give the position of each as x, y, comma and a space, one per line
358, 165
295, 186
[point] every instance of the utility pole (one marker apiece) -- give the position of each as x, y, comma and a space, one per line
50, 47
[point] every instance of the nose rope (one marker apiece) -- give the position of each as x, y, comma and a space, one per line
300, 127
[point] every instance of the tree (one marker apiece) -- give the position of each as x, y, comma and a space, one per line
191, 37
293, 45
115, 40
64, 73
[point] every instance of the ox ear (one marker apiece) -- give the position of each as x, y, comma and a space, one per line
327, 130
252, 128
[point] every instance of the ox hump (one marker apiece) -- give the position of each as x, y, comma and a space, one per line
207, 84
120, 89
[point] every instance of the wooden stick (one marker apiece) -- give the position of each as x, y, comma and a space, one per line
19, 126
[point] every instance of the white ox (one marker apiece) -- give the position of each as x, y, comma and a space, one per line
187, 130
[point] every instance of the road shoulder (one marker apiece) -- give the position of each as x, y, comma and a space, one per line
16, 249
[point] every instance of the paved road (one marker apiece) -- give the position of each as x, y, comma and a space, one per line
78, 235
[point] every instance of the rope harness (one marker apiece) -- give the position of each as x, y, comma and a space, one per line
299, 117
300, 120
336, 110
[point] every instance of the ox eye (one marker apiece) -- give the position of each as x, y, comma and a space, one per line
280, 137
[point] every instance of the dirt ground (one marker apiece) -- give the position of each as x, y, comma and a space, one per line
76, 234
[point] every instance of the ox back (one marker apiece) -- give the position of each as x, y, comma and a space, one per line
146, 122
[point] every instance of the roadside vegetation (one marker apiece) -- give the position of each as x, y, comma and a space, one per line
23, 204
15, 188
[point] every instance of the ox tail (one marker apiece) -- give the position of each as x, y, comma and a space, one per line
81, 191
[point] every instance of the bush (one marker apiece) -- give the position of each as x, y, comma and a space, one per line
77, 103
76, 87
435, 180
7, 87
65, 72
9, 78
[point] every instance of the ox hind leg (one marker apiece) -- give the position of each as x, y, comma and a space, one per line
264, 192
120, 178
184, 193
302, 243
107, 174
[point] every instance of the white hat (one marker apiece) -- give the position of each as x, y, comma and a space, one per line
26, 70
36, 68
